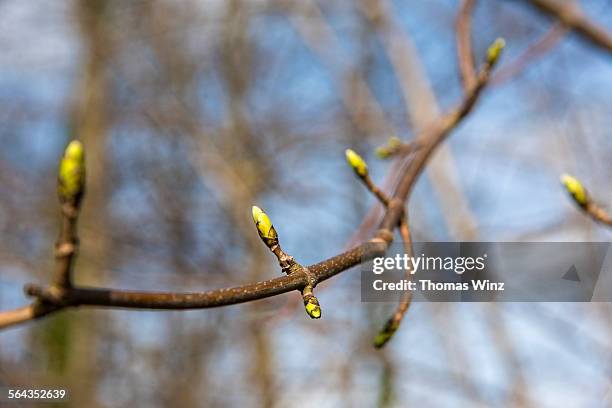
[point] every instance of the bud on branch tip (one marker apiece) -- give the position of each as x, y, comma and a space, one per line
495, 50
384, 152
264, 227
575, 189
386, 333
356, 162
71, 175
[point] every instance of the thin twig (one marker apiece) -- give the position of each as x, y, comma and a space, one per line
404, 229
393, 323
16, 316
66, 246
536, 50
598, 213
465, 54
570, 15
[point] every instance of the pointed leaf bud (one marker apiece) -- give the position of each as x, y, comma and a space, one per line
386, 333
495, 51
575, 189
264, 227
71, 174
356, 162
386, 151
312, 307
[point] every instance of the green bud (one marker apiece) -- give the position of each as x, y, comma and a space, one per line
356, 162
71, 174
312, 307
382, 152
495, 50
387, 150
394, 142
386, 333
264, 227
575, 189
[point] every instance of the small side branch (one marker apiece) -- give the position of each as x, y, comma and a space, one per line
536, 50
393, 323
70, 189
16, 316
570, 15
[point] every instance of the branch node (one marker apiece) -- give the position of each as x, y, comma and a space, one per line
53, 295
64, 249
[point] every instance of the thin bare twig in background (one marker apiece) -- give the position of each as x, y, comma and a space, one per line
536, 50
569, 18
464, 44
362, 107
570, 15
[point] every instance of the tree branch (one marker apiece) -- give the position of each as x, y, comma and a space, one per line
50, 300
571, 16
16, 316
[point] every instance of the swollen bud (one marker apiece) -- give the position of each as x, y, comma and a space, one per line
312, 307
356, 162
495, 50
386, 151
386, 333
575, 189
264, 227
71, 174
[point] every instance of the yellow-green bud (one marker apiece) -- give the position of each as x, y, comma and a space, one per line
575, 189
387, 150
71, 174
356, 162
394, 142
386, 333
312, 307
495, 50
382, 152
264, 227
